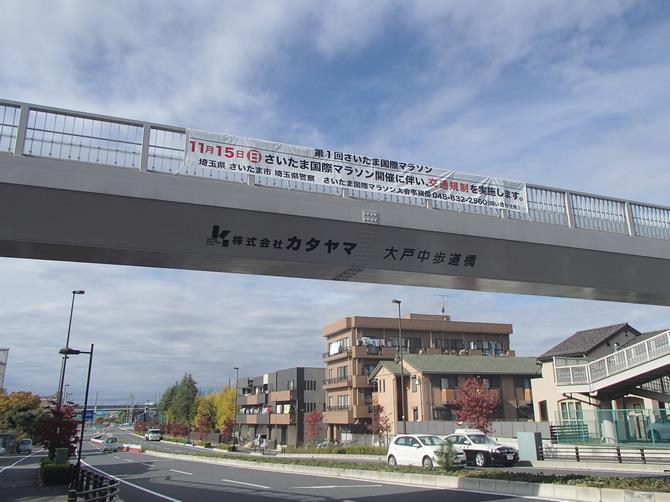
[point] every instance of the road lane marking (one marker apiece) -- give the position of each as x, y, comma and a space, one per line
329, 487
148, 465
138, 487
19, 461
116, 456
246, 484
181, 472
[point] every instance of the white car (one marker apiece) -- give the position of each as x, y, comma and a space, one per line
418, 449
481, 449
153, 435
660, 429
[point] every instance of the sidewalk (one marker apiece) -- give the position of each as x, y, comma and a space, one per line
19, 483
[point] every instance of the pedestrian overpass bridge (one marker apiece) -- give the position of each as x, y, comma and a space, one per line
82, 187
626, 371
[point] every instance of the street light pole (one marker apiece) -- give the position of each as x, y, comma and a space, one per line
66, 352
67, 345
237, 378
83, 416
402, 372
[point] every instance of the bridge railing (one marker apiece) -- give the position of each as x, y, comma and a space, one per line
573, 372
41, 131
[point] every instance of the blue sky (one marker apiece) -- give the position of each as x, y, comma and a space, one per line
567, 94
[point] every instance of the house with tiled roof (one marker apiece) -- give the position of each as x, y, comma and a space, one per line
431, 383
552, 404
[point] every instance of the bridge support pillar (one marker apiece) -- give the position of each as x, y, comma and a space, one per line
607, 422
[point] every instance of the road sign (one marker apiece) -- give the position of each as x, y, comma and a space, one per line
89, 415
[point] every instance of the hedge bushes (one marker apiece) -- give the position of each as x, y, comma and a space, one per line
52, 473
340, 450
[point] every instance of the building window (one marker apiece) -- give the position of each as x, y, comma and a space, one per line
494, 382
456, 345
413, 383
442, 413
571, 411
343, 401
290, 385
522, 383
342, 371
450, 382
415, 414
368, 368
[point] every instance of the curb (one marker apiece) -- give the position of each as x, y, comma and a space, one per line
499, 487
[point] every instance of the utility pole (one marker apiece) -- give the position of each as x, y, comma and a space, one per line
131, 397
444, 304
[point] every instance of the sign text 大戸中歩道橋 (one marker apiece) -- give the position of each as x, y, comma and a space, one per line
344, 170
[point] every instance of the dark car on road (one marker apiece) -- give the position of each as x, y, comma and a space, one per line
482, 450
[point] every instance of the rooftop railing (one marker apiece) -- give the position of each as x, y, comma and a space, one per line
47, 132
576, 372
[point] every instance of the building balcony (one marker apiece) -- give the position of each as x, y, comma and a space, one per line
253, 399
253, 419
362, 411
521, 394
371, 352
449, 395
338, 415
342, 353
361, 381
279, 396
337, 382
282, 418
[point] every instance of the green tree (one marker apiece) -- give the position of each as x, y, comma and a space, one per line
446, 456
205, 416
20, 412
182, 407
165, 404
225, 407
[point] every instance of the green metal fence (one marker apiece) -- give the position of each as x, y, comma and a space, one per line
649, 428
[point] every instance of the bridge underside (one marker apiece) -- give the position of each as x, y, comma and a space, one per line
58, 210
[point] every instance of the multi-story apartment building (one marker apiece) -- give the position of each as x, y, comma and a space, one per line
431, 384
274, 405
355, 345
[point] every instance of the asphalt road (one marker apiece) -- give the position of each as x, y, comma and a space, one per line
145, 478
18, 478
571, 468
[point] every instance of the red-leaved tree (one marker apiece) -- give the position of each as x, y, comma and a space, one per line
57, 429
381, 423
475, 404
227, 430
312, 425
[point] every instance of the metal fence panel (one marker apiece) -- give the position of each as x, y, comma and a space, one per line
70, 137
9, 123
649, 221
596, 213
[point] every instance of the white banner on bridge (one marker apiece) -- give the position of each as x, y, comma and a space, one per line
344, 170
